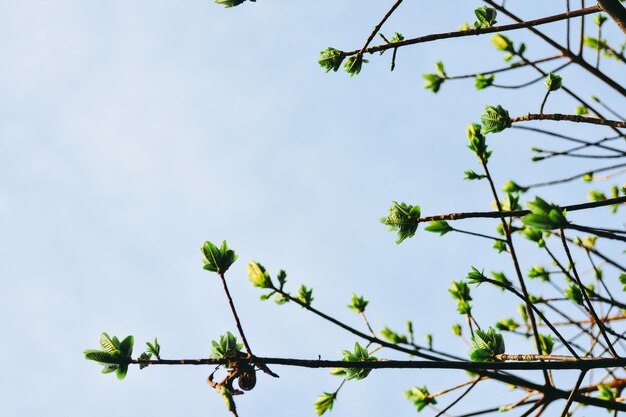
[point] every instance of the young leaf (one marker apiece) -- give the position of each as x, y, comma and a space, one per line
554, 82
353, 64
420, 397
439, 226
481, 82
325, 402
402, 218
330, 59
305, 295
228, 347
486, 17
258, 276
230, 3
360, 354
494, 120
217, 260
358, 304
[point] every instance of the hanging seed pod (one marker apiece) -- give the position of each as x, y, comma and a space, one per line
247, 379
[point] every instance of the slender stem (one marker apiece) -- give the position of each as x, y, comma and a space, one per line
235, 315
586, 297
543, 103
460, 396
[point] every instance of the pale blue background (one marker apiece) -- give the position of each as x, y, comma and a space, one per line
132, 131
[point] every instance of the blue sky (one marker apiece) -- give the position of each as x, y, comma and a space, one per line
133, 131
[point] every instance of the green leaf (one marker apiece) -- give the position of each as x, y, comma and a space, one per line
360, 354
535, 235
121, 372
539, 271
439, 226
481, 82
358, 304
154, 348
226, 348
502, 43
217, 260
258, 276
420, 397
331, 59
546, 343
574, 293
494, 120
501, 278
554, 82
103, 357
507, 325
477, 142
353, 64
325, 402
486, 17
599, 19
402, 218
582, 110
500, 246
282, 278
513, 187
143, 358
392, 336
486, 345
475, 276
397, 37
230, 3
126, 346
305, 295
440, 69
107, 344
471, 175
433, 82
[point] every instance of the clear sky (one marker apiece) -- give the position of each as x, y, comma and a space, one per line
132, 131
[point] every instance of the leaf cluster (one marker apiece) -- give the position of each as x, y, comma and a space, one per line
402, 218
360, 354
460, 291
217, 259
420, 397
486, 345
115, 356
545, 216
226, 348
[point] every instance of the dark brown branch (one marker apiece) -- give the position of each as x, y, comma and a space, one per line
569, 118
378, 26
472, 32
617, 12
516, 213
576, 58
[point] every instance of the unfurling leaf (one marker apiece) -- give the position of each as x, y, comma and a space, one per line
494, 120
217, 260
330, 59
402, 218
360, 354
325, 402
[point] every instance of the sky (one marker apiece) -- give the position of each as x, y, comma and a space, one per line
133, 131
